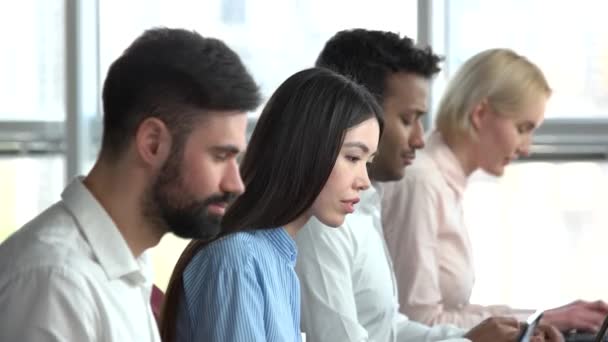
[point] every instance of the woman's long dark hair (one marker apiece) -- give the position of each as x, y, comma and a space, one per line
289, 158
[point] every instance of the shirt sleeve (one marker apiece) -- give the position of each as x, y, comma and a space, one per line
324, 266
329, 310
412, 215
47, 305
410, 331
229, 304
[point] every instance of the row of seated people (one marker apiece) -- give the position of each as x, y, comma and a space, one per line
292, 238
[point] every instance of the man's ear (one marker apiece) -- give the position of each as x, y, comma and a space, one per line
153, 142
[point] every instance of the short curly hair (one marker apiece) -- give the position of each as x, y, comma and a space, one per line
370, 57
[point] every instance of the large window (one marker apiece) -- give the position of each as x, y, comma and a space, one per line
32, 60
275, 38
32, 89
570, 44
29, 184
539, 233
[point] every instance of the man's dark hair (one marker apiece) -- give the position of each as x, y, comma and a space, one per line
172, 74
370, 57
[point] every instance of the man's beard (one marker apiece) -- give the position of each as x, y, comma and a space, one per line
173, 208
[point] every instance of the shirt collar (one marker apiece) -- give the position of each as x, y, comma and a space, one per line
448, 164
282, 241
102, 235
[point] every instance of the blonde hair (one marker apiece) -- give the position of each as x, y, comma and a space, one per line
506, 80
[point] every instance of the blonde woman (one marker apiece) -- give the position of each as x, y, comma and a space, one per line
485, 120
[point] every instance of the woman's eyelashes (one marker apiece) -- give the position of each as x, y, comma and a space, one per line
525, 128
352, 158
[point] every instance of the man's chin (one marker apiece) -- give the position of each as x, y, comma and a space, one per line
394, 175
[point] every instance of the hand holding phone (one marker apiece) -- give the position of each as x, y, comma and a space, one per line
531, 324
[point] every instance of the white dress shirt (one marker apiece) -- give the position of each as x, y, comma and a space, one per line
348, 286
428, 241
68, 275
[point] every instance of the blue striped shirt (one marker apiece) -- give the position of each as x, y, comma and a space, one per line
242, 287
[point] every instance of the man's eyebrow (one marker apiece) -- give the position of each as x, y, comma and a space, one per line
416, 112
357, 144
232, 149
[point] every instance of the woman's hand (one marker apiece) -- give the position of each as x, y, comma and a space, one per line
581, 315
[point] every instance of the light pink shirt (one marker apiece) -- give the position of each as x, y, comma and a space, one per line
428, 241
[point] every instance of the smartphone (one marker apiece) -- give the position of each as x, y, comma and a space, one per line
602, 332
532, 322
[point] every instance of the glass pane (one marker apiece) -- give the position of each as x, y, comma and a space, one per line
568, 40
275, 38
539, 233
29, 185
32, 62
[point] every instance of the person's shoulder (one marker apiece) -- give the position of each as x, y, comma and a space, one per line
230, 256
424, 168
315, 236
52, 240
31, 283
235, 250
315, 228
423, 175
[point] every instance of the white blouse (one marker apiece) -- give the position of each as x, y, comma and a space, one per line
348, 285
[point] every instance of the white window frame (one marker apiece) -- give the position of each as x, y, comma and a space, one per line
76, 136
